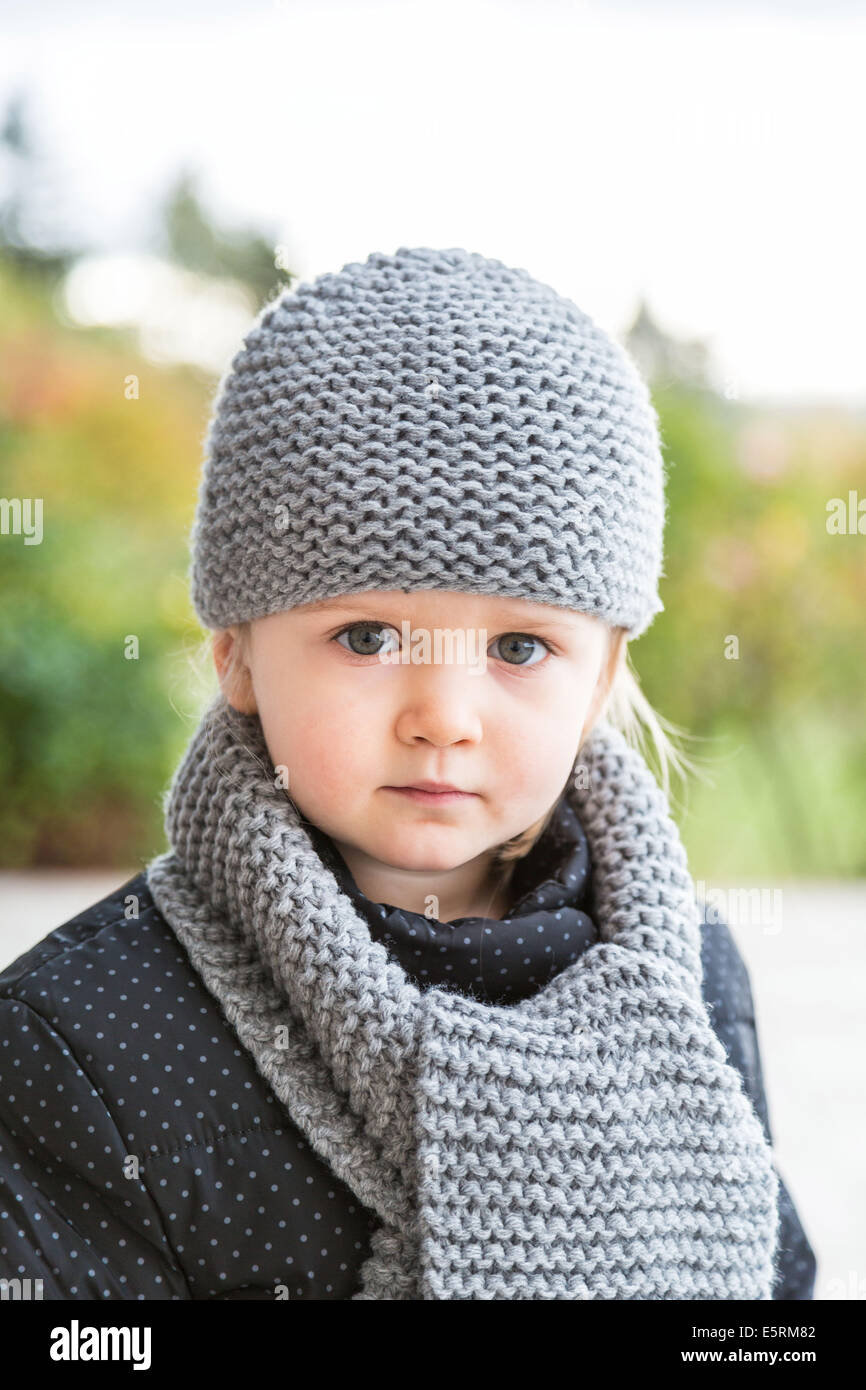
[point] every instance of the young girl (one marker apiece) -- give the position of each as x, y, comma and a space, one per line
418, 1004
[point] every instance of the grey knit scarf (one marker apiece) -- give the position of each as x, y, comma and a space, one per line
590, 1142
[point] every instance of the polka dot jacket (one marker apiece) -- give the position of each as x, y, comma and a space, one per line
143, 1156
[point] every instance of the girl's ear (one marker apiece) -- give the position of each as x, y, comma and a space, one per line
229, 654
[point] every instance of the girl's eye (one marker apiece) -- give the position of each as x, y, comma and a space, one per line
364, 639
515, 646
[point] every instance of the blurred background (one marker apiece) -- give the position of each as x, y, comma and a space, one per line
689, 176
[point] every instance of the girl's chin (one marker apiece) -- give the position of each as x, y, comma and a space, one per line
426, 853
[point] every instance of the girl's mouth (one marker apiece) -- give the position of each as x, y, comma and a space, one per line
432, 798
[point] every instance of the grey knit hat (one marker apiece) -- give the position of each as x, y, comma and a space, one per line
429, 420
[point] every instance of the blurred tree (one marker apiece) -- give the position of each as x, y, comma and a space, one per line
190, 238
88, 735
29, 234
662, 358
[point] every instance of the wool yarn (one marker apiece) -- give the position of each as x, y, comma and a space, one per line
589, 1142
431, 419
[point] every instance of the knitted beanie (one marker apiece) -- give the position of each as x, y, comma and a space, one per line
430, 419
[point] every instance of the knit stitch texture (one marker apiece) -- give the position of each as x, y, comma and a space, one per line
589, 1142
431, 419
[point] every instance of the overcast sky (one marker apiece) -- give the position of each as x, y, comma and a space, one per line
708, 157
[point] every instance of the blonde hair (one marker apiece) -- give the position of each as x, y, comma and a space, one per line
623, 705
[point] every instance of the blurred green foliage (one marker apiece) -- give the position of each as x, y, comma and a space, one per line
89, 738
86, 735
749, 556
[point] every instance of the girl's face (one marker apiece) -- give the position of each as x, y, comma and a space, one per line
500, 719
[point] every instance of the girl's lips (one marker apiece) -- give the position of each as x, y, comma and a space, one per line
430, 798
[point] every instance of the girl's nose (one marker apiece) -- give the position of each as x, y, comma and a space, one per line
441, 706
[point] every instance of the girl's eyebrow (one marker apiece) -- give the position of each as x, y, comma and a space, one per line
324, 605
360, 601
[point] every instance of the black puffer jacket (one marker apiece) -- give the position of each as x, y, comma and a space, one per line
143, 1156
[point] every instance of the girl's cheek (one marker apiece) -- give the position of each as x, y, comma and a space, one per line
326, 747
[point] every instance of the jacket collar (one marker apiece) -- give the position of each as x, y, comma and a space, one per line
499, 962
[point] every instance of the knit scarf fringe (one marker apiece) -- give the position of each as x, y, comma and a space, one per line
590, 1142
